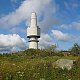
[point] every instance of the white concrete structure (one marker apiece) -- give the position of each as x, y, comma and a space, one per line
33, 32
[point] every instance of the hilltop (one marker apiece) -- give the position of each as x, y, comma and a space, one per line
37, 65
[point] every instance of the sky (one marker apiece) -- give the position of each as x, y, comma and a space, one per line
59, 21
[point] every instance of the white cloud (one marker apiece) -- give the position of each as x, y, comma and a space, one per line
12, 43
66, 26
61, 36
75, 5
14, 3
45, 41
75, 25
43, 7
72, 4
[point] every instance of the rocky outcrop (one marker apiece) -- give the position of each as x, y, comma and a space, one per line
64, 63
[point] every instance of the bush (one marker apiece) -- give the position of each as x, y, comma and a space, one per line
75, 49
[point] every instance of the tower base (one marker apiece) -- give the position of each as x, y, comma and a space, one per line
33, 45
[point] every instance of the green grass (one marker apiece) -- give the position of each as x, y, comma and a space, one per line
36, 66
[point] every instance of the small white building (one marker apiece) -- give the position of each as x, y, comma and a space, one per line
33, 32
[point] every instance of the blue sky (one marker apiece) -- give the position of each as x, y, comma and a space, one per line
59, 21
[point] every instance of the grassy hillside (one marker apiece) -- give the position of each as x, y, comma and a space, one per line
36, 65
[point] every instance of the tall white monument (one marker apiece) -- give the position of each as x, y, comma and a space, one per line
33, 32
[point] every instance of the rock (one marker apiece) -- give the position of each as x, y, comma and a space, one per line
64, 63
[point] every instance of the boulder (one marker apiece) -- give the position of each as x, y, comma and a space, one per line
64, 63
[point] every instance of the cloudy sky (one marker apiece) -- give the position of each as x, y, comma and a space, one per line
59, 21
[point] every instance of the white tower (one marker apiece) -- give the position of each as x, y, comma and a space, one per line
33, 32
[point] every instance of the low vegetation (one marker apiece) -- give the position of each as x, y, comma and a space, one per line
38, 65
